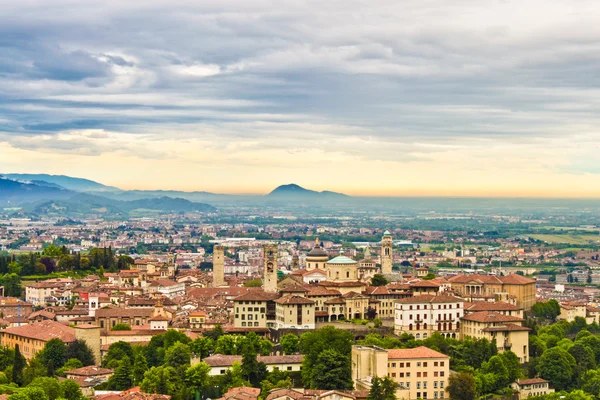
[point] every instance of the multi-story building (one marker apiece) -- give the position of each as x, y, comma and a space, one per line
421, 373
522, 288
423, 315
197, 319
294, 312
507, 331
251, 309
54, 290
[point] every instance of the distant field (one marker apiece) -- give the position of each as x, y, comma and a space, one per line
567, 238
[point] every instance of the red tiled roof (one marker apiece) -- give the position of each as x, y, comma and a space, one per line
428, 298
291, 299
491, 316
44, 330
417, 352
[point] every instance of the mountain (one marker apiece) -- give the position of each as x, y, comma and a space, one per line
67, 182
13, 192
293, 191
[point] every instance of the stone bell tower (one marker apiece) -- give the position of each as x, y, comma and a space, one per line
270, 268
386, 253
218, 266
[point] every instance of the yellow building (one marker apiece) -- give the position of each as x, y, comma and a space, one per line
251, 309
507, 331
197, 319
477, 286
421, 373
342, 269
295, 312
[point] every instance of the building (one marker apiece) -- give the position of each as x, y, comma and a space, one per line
507, 331
522, 288
294, 312
167, 287
421, 373
252, 309
367, 267
218, 266
341, 269
219, 363
197, 319
387, 258
423, 315
270, 268
316, 258
525, 388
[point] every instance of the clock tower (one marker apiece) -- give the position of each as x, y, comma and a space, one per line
270, 268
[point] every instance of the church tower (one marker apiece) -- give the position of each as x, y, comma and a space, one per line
295, 262
386, 253
270, 270
218, 266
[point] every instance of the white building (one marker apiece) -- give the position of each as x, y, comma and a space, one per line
423, 315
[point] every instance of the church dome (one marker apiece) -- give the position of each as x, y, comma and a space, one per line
317, 251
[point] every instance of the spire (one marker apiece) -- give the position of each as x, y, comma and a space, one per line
316, 242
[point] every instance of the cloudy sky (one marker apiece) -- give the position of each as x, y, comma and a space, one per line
424, 97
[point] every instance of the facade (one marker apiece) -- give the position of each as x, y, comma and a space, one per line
270, 268
342, 269
423, 315
294, 312
507, 331
532, 387
251, 310
316, 258
476, 286
197, 319
386, 253
421, 373
219, 363
218, 266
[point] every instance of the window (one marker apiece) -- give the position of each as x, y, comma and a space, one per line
441, 395
435, 363
401, 365
435, 374
441, 373
424, 384
401, 374
289, 368
407, 365
418, 374
393, 374
243, 324
424, 374
442, 385
408, 374
393, 365
418, 363
222, 371
425, 364
435, 384
418, 393
418, 387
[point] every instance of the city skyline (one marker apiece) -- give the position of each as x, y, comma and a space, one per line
391, 99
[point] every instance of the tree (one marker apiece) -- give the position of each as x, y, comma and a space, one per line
121, 327
70, 390
584, 359
50, 386
140, 366
382, 389
19, 364
252, 370
117, 352
379, 280
178, 355
30, 393
33, 370
54, 351
162, 380
215, 333
80, 350
556, 365
313, 344
122, 378
202, 347
52, 251
7, 357
198, 377
253, 283
290, 343
12, 284
461, 386
332, 371
429, 276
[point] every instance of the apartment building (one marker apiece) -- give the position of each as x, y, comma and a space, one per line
252, 308
294, 312
421, 373
425, 314
525, 388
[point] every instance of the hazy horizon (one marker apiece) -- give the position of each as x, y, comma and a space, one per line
417, 98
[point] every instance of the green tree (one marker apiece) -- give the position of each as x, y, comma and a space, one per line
70, 390
461, 386
140, 366
556, 365
178, 355
33, 370
379, 280
80, 350
382, 389
198, 377
117, 352
7, 357
584, 359
162, 380
313, 343
19, 364
122, 379
50, 386
52, 251
121, 327
252, 370
30, 393
12, 284
54, 351
253, 283
332, 371
290, 343
203, 347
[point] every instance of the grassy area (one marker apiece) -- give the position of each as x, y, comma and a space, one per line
567, 238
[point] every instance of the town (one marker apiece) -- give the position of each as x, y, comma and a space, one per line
173, 307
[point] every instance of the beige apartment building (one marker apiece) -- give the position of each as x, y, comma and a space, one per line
525, 388
251, 310
421, 373
507, 331
295, 312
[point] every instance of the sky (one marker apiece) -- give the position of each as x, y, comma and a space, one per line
375, 98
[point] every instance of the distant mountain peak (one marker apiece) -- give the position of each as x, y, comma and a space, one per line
293, 190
